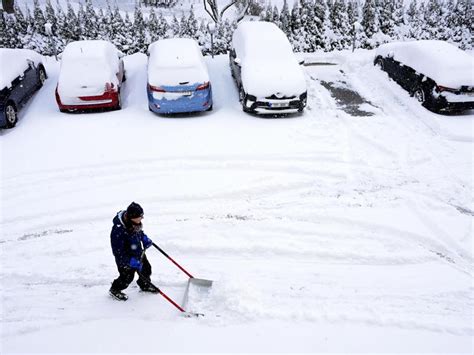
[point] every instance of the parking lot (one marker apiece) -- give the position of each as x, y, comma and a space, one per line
352, 218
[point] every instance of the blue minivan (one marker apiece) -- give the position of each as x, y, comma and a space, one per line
178, 80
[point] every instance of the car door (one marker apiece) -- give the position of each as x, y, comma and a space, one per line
31, 80
25, 87
235, 67
396, 70
410, 78
17, 90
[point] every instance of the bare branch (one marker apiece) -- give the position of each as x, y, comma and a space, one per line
212, 12
243, 12
227, 6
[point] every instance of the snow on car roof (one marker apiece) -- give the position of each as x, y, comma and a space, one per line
90, 49
439, 60
175, 52
13, 62
176, 60
260, 38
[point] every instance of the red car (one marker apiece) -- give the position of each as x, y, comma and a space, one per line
91, 76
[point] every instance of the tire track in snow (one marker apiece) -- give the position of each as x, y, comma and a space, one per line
400, 159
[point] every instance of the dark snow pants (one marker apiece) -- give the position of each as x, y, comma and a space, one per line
127, 274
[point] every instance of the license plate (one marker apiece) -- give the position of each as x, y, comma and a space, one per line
187, 93
278, 104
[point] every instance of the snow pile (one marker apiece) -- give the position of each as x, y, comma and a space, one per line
439, 60
268, 63
13, 63
86, 66
176, 61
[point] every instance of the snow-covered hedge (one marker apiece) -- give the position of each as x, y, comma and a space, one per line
310, 25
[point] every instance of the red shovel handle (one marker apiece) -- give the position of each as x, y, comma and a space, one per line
174, 262
171, 301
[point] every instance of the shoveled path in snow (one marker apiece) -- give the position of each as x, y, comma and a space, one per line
337, 233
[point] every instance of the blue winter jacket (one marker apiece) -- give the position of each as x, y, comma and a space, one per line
126, 244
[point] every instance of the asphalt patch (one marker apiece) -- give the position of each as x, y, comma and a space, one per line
348, 100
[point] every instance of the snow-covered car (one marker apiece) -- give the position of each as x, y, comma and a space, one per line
22, 73
269, 77
91, 76
178, 80
436, 73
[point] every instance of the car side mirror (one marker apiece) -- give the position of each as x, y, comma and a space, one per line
390, 54
237, 61
31, 64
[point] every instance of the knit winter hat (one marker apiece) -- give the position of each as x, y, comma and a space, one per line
134, 211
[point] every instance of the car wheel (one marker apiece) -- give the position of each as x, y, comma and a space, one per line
380, 63
419, 94
11, 115
42, 76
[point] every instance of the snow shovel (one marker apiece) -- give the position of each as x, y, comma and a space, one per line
199, 286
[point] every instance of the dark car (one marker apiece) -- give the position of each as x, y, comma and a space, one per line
269, 78
22, 74
438, 74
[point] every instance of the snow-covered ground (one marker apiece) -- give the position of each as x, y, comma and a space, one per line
324, 232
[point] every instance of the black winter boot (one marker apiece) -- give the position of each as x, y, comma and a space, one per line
149, 288
118, 295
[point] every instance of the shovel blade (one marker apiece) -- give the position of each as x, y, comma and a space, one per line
200, 282
196, 287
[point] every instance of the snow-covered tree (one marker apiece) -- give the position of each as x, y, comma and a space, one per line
191, 25
340, 25
3, 30
50, 14
267, 15
276, 17
39, 20
163, 26
152, 26
285, 19
414, 20
385, 11
432, 19
139, 44
71, 28
126, 37
463, 24
175, 27
368, 23
21, 24
298, 37
116, 26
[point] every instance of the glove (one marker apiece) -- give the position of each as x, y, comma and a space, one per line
135, 264
147, 242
